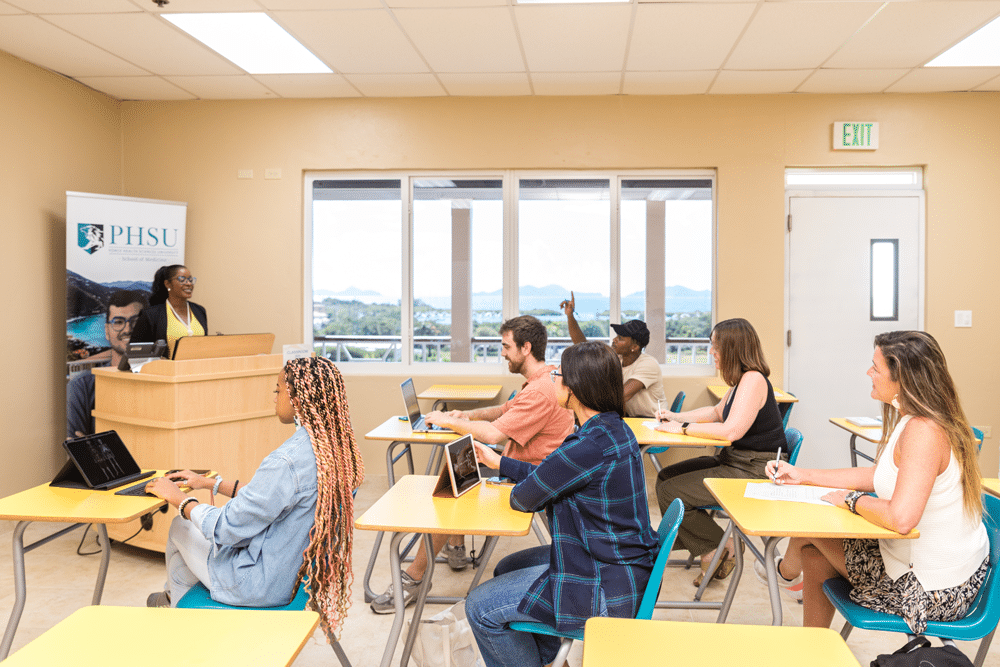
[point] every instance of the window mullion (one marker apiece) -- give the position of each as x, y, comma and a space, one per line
406, 303
615, 212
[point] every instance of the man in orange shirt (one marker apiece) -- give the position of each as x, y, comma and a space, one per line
529, 426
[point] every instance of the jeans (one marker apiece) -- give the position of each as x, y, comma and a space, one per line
492, 606
187, 559
525, 558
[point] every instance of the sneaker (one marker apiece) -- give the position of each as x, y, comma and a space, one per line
796, 583
160, 599
386, 603
457, 560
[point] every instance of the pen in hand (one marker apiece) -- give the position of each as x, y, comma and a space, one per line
658, 408
777, 460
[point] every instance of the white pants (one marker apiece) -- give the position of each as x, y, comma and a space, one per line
187, 559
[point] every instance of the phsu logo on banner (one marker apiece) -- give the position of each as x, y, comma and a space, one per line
90, 237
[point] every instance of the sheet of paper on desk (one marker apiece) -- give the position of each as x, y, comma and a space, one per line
802, 493
651, 424
865, 422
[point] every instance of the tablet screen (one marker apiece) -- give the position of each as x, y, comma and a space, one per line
102, 458
463, 462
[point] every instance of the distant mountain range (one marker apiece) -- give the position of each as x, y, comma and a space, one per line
552, 291
84, 297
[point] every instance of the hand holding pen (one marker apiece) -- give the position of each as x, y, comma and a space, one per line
782, 472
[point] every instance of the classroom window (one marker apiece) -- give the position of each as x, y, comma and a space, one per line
423, 268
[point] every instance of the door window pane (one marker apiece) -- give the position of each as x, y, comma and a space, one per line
885, 279
356, 297
457, 269
564, 235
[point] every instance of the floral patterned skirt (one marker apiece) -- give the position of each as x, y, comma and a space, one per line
874, 589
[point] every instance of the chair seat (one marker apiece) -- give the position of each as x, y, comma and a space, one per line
543, 629
970, 628
199, 598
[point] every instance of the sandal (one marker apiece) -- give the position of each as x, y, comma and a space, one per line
724, 560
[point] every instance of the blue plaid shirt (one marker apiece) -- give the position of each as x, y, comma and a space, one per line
594, 492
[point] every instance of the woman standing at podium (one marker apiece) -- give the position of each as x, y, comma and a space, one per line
291, 523
171, 313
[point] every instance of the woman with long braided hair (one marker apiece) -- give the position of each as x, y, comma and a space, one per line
291, 523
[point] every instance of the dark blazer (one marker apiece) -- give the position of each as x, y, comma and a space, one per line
152, 323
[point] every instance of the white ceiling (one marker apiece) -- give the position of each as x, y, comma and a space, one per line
402, 48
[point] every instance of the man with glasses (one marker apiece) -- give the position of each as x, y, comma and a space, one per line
529, 427
123, 310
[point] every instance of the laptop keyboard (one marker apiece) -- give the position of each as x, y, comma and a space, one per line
135, 490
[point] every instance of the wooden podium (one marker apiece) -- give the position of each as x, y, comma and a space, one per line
201, 413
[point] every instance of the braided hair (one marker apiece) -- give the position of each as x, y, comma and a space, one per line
316, 390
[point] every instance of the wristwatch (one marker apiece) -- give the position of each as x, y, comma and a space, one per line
684, 427
851, 500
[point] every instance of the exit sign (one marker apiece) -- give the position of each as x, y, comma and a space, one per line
855, 136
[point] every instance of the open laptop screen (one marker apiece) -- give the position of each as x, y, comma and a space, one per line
410, 398
102, 459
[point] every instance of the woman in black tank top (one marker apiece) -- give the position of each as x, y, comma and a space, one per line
747, 416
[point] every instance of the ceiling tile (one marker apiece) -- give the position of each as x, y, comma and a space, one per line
908, 34
704, 2
43, 44
943, 79
850, 80
486, 85
294, 5
446, 3
667, 83
136, 87
308, 85
9, 9
684, 36
202, 6
574, 38
992, 84
355, 41
397, 85
464, 40
76, 6
241, 87
757, 83
795, 35
577, 83
147, 41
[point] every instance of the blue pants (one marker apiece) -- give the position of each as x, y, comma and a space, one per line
492, 606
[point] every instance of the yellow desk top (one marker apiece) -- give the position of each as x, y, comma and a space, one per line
649, 436
104, 636
396, 429
781, 396
461, 392
869, 433
992, 485
773, 518
51, 503
608, 641
408, 506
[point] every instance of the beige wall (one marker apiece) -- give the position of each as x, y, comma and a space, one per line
57, 136
245, 236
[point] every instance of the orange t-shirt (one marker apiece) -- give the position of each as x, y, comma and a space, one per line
533, 421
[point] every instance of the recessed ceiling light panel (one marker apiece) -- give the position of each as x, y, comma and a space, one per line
251, 40
980, 49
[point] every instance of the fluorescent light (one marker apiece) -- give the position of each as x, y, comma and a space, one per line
980, 49
253, 41
567, 2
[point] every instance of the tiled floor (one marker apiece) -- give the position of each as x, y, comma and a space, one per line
59, 582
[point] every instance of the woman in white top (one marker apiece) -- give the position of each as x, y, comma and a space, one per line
926, 477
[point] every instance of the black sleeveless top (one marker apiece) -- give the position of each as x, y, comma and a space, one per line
766, 433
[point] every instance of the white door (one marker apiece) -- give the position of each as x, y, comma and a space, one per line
830, 304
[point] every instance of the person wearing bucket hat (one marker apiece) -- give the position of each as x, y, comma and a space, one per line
641, 372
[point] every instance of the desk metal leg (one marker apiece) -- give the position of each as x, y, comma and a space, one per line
854, 452
770, 546
418, 608
397, 587
102, 572
20, 587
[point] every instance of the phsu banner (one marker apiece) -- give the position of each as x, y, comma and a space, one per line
114, 245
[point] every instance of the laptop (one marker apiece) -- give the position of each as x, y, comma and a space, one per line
413, 414
99, 461
460, 472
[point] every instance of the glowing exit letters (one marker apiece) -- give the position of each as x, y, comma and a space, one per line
855, 135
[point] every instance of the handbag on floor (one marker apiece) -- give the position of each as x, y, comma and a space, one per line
446, 640
920, 653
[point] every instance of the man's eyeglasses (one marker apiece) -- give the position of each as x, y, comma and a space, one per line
118, 323
555, 373
186, 280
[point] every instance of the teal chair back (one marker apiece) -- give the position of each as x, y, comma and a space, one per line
787, 412
979, 436
669, 525
678, 402
793, 443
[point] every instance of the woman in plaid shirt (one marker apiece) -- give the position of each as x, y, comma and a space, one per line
593, 490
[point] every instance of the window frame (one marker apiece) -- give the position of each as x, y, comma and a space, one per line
510, 179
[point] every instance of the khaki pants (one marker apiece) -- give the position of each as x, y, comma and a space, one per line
699, 533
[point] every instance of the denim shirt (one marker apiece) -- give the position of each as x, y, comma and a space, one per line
259, 536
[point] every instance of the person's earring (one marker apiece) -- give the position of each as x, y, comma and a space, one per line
168, 289
895, 401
